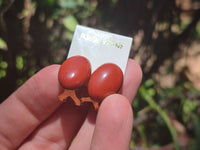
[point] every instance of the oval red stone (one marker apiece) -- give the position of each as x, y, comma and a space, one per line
74, 72
106, 80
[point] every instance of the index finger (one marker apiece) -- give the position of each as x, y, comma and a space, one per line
132, 80
27, 107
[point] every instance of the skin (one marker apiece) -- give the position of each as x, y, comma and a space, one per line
33, 118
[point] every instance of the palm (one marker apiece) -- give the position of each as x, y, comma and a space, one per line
33, 118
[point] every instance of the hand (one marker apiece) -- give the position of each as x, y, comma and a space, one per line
33, 117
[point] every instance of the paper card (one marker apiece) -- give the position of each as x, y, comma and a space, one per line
100, 47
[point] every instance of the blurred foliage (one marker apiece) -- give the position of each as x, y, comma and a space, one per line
37, 33
3, 44
176, 109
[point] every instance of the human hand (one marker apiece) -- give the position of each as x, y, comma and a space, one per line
33, 117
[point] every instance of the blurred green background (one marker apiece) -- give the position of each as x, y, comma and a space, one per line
166, 33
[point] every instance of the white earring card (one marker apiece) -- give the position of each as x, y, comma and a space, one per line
100, 47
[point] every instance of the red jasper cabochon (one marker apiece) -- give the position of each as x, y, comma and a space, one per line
74, 72
106, 80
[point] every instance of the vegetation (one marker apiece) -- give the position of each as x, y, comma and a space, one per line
36, 33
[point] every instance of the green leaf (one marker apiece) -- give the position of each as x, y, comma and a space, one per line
3, 64
2, 73
19, 62
189, 106
3, 44
68, 4
151, 92
71, 4
50, 2
1, 1
198, 29
148, 83
69, 36
70, 23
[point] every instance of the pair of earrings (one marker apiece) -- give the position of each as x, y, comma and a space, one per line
82, 86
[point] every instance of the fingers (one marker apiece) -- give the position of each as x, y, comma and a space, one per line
30, 105
132, 80
113, 125
84, 136
59, 130
36, 100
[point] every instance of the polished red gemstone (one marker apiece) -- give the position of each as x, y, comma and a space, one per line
74, 72
106, 80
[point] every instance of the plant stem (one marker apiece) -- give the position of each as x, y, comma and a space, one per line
166, 119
